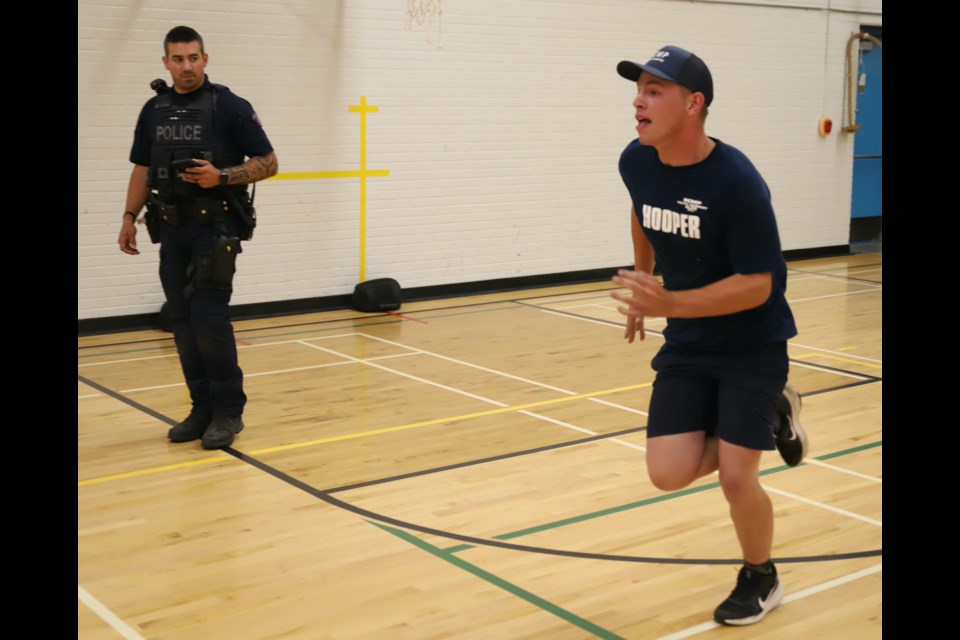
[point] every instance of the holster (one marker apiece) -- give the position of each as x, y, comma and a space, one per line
242, 205
214, 268
152, 218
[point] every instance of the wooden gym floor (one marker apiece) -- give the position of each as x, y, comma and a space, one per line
469, 468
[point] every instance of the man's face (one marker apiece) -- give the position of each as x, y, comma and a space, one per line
186, 64
660, 108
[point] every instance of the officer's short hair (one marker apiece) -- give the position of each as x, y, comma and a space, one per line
181, 34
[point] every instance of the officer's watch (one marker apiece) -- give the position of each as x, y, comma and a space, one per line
224, 176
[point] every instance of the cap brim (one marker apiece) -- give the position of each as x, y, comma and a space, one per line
632, 71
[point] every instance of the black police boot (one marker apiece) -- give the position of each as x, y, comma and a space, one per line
191, 428
222, 431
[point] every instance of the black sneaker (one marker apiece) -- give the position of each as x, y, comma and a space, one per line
791, 439
221, 432
755, 595
191, 428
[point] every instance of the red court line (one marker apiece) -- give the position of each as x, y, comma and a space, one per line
400, 315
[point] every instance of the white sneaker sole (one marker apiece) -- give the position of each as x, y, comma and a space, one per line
793, 397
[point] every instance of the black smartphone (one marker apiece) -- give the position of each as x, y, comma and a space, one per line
185, 163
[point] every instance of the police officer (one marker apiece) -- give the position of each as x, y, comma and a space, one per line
189, 169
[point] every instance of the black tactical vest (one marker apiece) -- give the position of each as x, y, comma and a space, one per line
184, 131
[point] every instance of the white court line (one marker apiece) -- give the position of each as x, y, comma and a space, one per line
830, 584
850, 273
807, 365
814, 276
581, 429
834, 295
814, 503
239, 346
410, 376
565, 425
570, 317
97, 364
89, 395
619, 406
574, 306
849, 472
797, 276
504, 374
531, 414
613, 306
106, 615
824, 274
792, 363
271, 373
799, 595
471, 365
836, 353
628, 444
869, 289
610, 305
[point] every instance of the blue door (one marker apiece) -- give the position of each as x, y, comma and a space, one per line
868, 141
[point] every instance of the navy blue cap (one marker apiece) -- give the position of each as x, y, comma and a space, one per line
676, 65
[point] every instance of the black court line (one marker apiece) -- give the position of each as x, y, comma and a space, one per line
470, 463
869, 377
265, 332
535, 450
325, 496
127, 401
430, 310
830, 275
348, 319
578, 316
609, 287
859, 266
796, 361
128, 342
483, 542
841, 387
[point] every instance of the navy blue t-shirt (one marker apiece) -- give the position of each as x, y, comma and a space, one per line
705, 222
235, 121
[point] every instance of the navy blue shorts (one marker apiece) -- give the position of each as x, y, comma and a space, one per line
733, 396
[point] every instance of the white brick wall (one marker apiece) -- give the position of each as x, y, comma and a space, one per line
502, 144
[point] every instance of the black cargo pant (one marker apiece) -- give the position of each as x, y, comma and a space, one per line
200, 318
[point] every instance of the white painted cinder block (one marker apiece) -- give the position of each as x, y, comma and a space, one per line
501, 126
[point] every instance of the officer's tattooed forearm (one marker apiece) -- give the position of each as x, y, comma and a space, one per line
253, 170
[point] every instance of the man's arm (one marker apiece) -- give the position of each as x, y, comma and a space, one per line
738, 292
136, 198
643, 261
253, 170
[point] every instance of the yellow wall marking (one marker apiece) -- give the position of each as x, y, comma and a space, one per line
363, 109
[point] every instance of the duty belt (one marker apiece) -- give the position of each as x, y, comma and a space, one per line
204, 209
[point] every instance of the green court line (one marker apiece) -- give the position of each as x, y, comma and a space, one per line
846, 452
509, 587
648, 501
287, 334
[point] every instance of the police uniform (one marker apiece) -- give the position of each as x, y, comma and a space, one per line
213, 124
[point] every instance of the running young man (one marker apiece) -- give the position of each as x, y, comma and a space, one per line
702, 213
